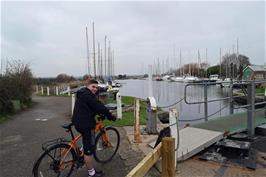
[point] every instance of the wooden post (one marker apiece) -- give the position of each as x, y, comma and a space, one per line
119, 106
73, 100
173, 116
136, 118
42, 90
168, 159
68, 90
56, 90
152, 116
144, 166
48, 91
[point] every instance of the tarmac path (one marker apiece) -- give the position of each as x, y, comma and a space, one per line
22, 136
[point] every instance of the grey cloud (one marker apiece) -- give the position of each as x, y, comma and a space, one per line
51, 35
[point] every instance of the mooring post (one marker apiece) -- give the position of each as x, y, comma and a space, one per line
205, 102
251, 108
73, 99
231, 98
56, 90
119, 105
42, 90
137, 138
151, 127
168, 159
173, 122
48, 91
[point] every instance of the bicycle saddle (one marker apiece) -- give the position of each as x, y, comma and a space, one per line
67, 125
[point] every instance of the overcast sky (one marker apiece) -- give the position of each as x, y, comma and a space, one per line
51, 35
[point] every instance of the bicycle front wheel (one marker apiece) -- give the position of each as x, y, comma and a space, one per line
58, 160
107, 143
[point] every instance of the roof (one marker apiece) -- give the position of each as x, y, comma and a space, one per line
256, 68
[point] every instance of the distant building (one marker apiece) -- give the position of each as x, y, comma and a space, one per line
254, 72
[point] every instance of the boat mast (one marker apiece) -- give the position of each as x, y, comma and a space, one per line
180, 67
105, 61
94, 62
206, 62
99, 61
199, 63
220, 62
88, 54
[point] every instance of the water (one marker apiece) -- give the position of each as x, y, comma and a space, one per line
168, 93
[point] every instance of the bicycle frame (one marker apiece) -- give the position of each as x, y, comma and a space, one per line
73, 143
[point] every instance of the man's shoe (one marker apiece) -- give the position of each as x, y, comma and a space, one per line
97, 174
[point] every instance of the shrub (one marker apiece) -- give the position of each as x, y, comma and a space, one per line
15, 85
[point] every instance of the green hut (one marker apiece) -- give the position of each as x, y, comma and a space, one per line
254, 72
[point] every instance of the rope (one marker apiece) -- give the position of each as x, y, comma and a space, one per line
172, 104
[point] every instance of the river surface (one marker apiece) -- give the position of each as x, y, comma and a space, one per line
167, 93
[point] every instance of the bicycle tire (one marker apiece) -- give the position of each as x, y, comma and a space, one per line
100, 155
52, 165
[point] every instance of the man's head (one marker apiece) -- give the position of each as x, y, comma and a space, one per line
92, 85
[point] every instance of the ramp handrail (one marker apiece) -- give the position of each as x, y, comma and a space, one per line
250, 105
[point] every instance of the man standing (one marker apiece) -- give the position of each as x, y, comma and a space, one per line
85, 110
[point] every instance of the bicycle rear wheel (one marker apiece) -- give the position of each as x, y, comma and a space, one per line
59, 160
107, 144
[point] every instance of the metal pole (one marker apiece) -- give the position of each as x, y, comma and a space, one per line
205, 102
99, 61
220, 63
109, 58
231, 101
113, 62
105, 56
251, 109
94, 63
88, 54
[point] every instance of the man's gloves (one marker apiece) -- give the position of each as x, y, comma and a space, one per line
112, 118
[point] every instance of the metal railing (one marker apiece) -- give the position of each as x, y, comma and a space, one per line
250, 95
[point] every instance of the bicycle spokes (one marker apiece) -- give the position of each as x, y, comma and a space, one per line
57, 161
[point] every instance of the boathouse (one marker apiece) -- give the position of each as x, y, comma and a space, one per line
254, 72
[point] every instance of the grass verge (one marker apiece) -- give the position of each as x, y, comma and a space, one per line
128, 117
4, 118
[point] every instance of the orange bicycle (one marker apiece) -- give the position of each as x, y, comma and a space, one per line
61, 156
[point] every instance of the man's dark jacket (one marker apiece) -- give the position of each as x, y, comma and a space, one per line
86, 107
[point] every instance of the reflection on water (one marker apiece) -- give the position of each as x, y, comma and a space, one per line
167, 93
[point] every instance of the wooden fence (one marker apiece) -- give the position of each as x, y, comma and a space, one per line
166, 151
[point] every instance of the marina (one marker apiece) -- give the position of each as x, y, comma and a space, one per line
134, 89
